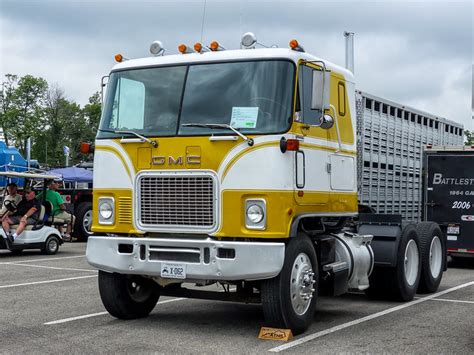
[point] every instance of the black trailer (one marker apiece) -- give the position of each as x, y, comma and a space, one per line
448, 195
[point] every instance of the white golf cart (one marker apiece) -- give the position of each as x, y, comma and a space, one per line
40, 235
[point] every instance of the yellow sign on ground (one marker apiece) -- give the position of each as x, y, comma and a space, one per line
275, 334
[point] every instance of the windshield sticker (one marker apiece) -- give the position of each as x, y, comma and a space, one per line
244, 117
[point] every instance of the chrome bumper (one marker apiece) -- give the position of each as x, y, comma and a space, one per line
205, 259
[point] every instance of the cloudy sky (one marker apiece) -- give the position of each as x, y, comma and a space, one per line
418, 53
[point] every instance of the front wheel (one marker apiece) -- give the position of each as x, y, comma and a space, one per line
51, 246
289, 299
127, 296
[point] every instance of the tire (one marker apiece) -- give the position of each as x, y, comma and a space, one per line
83, 221
283, 305
127, 296
432, 256
51, 246
401, 282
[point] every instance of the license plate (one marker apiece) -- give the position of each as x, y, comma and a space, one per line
453, 229
173, 271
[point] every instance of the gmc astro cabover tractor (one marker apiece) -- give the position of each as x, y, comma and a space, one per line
239, 168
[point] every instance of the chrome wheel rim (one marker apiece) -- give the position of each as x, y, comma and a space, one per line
87, 221
53, 245
436, 256
412, 259
301, 284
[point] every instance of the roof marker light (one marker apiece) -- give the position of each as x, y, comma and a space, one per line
198, 47
215, 46
183, 49
156, 48
120, 58
296, 46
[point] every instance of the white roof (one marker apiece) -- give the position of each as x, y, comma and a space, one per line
227, 55
27, 175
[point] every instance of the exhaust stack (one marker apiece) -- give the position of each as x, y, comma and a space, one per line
349, 50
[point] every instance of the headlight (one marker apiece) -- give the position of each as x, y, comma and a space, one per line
255, 214
106, 210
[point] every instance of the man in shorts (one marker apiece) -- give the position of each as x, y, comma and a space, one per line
12, 196
59, 209
27, 213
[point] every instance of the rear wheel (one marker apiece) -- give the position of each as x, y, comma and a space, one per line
399, 282
432, 256
289, 299
127, 296
51, 246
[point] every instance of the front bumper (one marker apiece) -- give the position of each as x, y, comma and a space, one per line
205, 259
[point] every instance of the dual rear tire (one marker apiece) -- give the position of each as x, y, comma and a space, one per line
419, 265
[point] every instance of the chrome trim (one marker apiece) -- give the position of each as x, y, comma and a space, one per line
178, 227
101, 219
252, 261
262, 225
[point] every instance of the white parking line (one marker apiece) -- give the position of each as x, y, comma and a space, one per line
454, 301
364, 319
53, 267
65, 320
48, 281
43, 259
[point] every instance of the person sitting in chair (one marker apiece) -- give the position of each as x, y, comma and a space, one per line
27, 213
59, 211
12, 196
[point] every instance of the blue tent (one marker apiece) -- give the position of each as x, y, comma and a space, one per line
73, 174
11, 160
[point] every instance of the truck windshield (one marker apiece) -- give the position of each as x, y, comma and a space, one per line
253, 97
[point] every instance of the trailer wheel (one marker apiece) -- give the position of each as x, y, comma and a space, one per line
127, 296
289, 299
83, 224
431, 248
51, 246
399, 282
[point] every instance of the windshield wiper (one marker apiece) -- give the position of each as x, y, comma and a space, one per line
220, 126
133, 133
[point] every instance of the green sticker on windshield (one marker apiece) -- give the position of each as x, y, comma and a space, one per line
244, 117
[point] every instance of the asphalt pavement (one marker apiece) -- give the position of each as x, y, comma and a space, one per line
51, 304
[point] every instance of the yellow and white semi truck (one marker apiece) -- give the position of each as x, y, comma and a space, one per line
239, 167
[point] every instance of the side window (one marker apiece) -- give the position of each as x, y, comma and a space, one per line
341, 102
311, 117
129, 105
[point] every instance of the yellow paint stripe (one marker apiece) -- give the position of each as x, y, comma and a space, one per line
326, 148
117, 153
277, 144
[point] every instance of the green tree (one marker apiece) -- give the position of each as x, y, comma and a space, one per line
22, 108
469, 137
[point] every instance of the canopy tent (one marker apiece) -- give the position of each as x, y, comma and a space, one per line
73, 174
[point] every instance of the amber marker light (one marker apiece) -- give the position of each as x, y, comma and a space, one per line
293, 44
119, 58
214, 46
182, 48
198, 47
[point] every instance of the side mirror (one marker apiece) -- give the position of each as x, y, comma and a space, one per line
320, 92
327, 122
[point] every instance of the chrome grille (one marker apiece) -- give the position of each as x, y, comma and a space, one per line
177, 200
